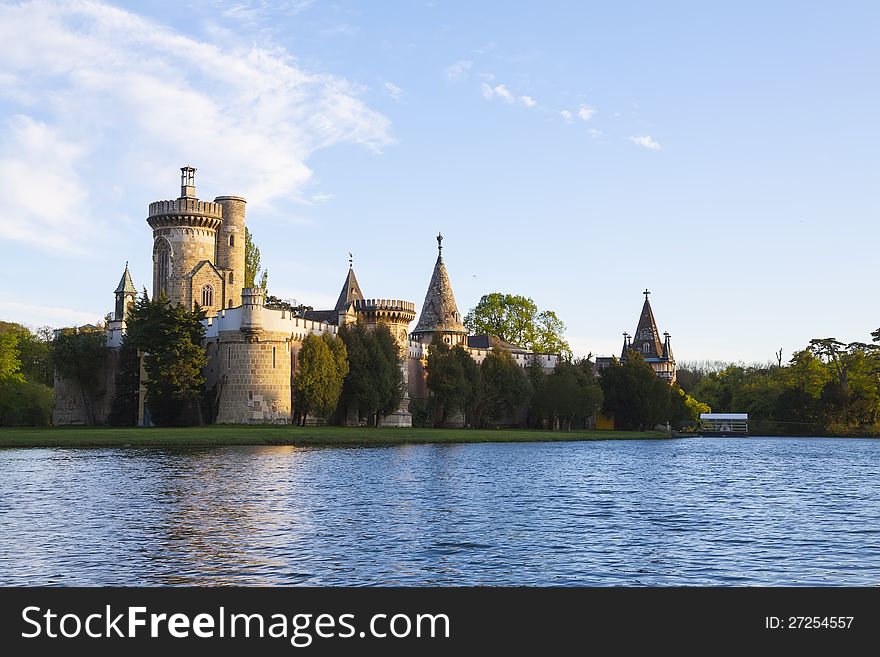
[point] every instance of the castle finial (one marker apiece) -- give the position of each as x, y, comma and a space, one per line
439, 244
350, 260
187, 182
646, 293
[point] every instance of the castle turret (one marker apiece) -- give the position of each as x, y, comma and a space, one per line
230, 248
125, 296
647, 342
252, 312
350, 293
184, 236
440, 319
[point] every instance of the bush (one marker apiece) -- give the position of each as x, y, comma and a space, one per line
25, 404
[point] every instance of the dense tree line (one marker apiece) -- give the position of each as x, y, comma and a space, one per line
829, 387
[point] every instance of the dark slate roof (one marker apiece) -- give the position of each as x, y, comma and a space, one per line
125, 283
647, 334
351, 291
328, 316
492, 342
439, 312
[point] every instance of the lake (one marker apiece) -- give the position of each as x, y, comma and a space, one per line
702, 511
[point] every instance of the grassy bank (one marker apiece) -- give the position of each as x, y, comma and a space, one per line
289, 435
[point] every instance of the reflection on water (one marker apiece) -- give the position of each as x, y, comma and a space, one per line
694, 512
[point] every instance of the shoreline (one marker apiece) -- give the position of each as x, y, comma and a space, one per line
288, 435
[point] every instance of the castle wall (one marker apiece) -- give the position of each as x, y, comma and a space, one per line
69, 406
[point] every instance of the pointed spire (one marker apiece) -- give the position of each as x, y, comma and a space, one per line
351, 291
625, 346
647, 338
667, 347
439, 312
125, 283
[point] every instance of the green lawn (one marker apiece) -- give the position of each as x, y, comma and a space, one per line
288, 435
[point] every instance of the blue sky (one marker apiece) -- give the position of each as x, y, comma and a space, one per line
724, 157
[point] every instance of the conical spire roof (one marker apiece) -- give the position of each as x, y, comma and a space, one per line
351, 291
647, 338
439, 312
125, 283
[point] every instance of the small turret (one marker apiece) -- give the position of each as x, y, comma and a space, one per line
126, 293
252, 313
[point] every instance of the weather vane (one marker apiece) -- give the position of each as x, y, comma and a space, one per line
439, 243
350, 260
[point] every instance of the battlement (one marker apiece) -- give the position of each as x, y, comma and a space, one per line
394, 305
189, 211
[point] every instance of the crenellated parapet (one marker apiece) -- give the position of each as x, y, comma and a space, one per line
185, 211
392, 310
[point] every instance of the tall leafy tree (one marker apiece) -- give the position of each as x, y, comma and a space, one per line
171, 337
374, 386
504, 390
252, 264
571, 393
453, 379
322, 367
516, 319
10, 358
634, 393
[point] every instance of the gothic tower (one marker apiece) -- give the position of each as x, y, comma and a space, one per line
440, 319
125, 295
184, 242
646, 341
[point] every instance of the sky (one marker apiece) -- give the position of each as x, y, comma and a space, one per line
724, 156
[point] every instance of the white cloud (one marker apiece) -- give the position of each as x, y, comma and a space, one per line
595, 133
586, 112
48, 315
646, 141
565, 114
393, 90
500, 90
528, 101
320, 198
503, 93
458, 71
117, 100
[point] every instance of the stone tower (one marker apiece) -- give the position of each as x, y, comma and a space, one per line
184, 241
440, 319
230, 248
125, 295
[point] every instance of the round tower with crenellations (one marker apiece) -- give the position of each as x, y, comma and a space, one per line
184, 243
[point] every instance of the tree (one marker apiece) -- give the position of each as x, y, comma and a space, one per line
124, 408
323, 365
24, 404
453, 379
10, 358
634, 393
516, 319
570, 393
252, 263
374, 385
80, 356
684, 410
34, 350
504, 390
171, 337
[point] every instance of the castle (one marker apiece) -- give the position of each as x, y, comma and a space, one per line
199, 259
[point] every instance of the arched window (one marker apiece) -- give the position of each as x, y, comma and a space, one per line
232, 239
646, 347
207, 296
231, 277
229, 305
162, 264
